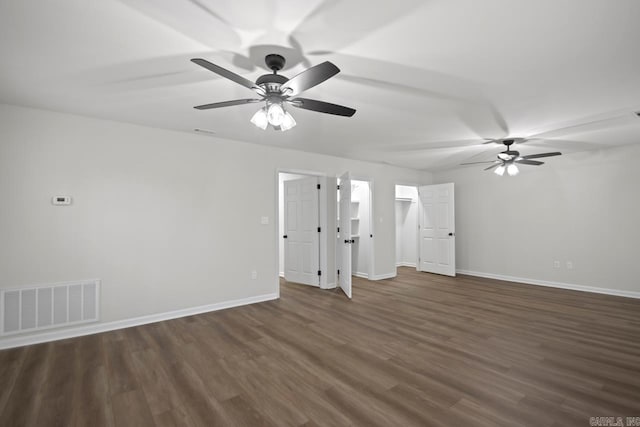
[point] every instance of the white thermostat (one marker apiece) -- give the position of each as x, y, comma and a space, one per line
61, 200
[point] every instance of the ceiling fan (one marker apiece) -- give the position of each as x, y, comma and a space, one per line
277, 91
509, 159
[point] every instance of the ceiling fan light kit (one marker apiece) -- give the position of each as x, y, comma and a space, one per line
277, 90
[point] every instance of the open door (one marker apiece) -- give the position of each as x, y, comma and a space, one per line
345, 240
301, 231
437, 239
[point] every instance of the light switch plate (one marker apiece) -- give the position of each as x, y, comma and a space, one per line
264, 220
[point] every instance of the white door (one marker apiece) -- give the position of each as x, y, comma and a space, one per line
345, 239
436, 228
301, 235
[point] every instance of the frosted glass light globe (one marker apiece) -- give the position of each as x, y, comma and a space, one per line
275, 114
260, 119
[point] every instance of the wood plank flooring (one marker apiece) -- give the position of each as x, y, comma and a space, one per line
420, 349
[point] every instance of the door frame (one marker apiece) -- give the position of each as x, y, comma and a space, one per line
322, 206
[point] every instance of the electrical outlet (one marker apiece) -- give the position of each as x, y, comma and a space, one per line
254, 275
264, 220
556, 264
569, 265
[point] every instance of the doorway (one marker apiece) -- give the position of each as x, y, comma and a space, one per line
354, 243
306, 228
361, 229
406, 226
425, 228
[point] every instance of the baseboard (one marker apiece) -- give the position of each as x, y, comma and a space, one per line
551, 284
406, 264
19, 341
361, 275
383, 276
331, 286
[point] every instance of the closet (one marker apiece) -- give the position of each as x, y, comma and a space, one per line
406, 226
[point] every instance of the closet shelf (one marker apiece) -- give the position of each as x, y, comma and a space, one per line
403, 199
355, 219
355, 236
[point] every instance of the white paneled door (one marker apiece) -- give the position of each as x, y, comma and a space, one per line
345, 241
436, 228
301, 235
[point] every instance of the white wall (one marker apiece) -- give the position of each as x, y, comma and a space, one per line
406, 226
581, 208
167, 220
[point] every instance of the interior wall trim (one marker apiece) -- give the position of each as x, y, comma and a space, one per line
331, 285
406, 264
19, 341
383, 276
551, 284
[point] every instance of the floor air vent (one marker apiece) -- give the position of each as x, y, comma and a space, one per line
44, 307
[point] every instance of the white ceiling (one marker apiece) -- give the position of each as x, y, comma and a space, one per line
430, 79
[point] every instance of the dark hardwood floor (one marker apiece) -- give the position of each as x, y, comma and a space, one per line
416, 350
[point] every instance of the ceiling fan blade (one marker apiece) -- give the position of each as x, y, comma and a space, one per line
529, 162
322, 107
478, 163
228, 74
492, 166
537, 156
309, 78
226, 104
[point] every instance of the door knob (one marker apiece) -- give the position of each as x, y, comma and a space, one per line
284, 237
450, 234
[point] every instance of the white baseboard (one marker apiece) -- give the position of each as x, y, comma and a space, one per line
19, 341
383, 276
406, 264
331, 286
361, 275
551, 284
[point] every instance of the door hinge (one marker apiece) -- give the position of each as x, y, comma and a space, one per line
319, 229
318, 186
338, 272
319, 273
338, 229
337, 187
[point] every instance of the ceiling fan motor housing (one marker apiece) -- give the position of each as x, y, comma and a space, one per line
274, 61
271, 82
